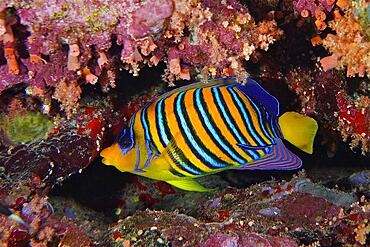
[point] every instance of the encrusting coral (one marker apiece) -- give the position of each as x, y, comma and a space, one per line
342, 28
48, 45
349, 41
350, 45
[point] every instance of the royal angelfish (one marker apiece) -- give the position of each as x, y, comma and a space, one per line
205, 128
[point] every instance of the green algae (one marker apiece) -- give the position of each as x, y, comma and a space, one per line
363, 15
27, 127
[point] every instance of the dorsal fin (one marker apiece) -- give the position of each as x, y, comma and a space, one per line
257, 93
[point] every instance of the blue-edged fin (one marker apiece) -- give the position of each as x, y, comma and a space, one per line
253, 90
188, 184
279, 159
299, 130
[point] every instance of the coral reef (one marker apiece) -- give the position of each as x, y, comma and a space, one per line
327, 95
45, 229
342, 28
54, 148
61, 46
58, 50
270, 214
350, 46
349, 43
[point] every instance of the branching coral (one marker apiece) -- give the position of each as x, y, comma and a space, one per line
316, 9
342, 28
68, 94
217, 44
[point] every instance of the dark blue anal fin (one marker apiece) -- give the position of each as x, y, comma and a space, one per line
280, 158
253, 90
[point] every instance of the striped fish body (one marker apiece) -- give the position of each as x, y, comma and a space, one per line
201, 129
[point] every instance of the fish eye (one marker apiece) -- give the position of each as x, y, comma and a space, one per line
124, 140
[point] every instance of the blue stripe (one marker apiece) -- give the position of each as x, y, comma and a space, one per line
241, 139
120, 136
272, 140
190, 137
212, 129
137, 159
273, 125
132, 136
147, 136
176, 156
162, 133
247, 120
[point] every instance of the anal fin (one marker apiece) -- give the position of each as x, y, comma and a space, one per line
188, 184
280, 158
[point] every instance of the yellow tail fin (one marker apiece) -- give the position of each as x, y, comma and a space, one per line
299, 130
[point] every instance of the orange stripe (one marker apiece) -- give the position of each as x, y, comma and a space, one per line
201, 131
234, 110
222, 125
179, 139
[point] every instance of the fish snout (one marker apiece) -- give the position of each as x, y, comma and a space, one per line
109, 154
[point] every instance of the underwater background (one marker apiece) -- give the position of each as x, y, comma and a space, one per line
72, 74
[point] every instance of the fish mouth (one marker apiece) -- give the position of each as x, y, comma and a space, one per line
110, 155
107, 162
104, 153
